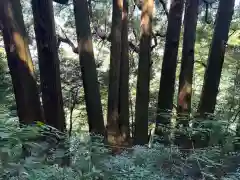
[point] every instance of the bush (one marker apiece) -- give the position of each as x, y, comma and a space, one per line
90, 159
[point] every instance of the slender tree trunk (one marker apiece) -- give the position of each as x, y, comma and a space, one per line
186, 73
124, 77
114, 75
143, 80
216, 58
20, 62
48, 63
88, 68
167, 81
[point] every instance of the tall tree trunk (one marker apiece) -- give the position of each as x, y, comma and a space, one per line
114, 74
20, 62
48, 63
143, 80
186, 73
124, 77
167, 81
88, 68
216, 58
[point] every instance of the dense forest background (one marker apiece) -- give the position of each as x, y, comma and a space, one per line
121, 89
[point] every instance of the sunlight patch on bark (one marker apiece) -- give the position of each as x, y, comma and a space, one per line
184, 92
22, 50
146, 16
124, 15
120, 4
86, 46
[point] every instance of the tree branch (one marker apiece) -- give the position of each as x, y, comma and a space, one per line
103, 36
66, 40
164, 7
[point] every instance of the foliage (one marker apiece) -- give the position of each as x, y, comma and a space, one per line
91, 158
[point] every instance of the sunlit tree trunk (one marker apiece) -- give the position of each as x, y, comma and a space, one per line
48, 63
167, 81
216, 57
88, 68
113, 132
124, 77
143, 80
20, 62
186, 73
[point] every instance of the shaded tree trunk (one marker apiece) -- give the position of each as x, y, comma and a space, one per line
216, 58
186, 73
124, 77
113, 132
48, 63
143, 80
167, 81
187, 65
88, 68
20, 62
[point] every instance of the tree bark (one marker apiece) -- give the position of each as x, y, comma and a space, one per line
187, 65
216, 58
48, 63
113, 132
20, 62
124, 77
143, 80
88, 68
167, 81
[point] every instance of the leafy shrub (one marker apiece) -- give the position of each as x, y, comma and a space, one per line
90, 159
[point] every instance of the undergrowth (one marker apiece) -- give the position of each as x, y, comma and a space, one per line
91, 159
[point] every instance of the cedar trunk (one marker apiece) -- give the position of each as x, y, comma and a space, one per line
216, 58
186, 73
20, 62
124, 77
113, 131
167, 81
48, 63
88, 68
143, 80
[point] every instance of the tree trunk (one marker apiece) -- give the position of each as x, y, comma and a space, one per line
88, 68
167, 81
143, 80
114, 74
124, 78
216, 58
20, 62
48, 63
187, 65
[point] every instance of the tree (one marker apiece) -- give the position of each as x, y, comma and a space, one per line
143, 79
48, 63
216, 58
20, 62
114, 74
88, 68
167, 81
186, 73
124, 77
